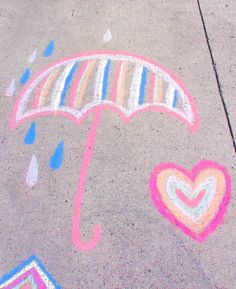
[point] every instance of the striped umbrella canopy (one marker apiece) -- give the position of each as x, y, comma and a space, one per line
91, 82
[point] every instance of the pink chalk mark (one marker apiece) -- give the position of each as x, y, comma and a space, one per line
78, 121
88, 152
162, 208
190, 203
76, 83
116, 80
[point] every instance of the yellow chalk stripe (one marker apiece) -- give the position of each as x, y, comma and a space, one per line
47, 86
160, 90
84, 82
121, 88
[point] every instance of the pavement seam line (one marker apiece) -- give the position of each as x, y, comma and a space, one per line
217, 76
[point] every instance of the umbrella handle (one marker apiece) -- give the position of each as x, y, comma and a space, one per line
76, 234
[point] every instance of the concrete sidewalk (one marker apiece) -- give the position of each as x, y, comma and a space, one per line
219, 21
139, 248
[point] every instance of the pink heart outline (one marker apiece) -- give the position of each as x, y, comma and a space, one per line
192, 175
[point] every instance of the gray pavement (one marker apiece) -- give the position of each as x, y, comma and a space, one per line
220, 23
139, 248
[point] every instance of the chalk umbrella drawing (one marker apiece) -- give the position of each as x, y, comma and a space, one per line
92, 82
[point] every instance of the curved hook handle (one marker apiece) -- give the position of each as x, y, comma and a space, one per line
75, 234
81, 245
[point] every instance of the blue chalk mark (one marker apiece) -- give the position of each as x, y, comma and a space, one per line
67, 83
105, 79
142, 86
56, 159
175, 99
25, 77
24, 264
30, 136
49, 49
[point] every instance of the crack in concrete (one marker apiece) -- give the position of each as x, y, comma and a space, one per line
217, 77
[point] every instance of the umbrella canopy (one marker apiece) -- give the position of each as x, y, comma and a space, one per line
119, 81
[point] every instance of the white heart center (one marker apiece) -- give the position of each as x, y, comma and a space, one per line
195, 213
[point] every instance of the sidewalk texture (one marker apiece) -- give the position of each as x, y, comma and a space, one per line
219, 21
138, 247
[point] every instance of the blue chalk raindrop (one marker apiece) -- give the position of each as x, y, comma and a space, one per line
49, 49
25, 77
30, 136
56, 159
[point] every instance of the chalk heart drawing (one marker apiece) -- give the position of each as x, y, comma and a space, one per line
193, 201
92, 82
